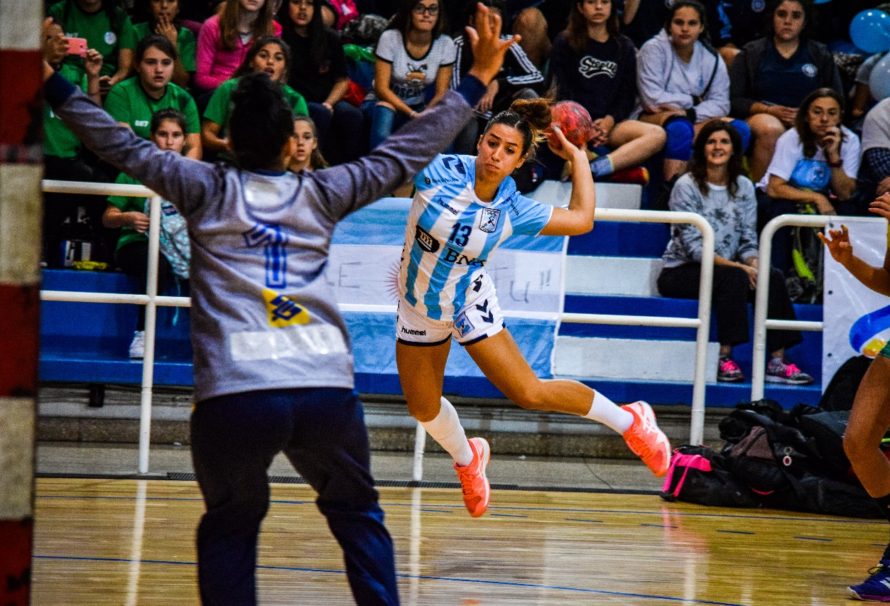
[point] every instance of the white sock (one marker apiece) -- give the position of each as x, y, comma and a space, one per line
446, 429
610, 414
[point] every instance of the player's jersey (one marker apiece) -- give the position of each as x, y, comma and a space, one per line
451, 233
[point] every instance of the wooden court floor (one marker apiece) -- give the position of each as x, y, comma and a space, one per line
114, 541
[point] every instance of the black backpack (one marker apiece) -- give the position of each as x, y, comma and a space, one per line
843, 385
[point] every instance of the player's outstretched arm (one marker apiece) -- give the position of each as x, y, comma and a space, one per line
837, 241
182, 181
578, 217
348, 187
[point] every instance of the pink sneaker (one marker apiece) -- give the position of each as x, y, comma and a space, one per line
646, 440
477, 491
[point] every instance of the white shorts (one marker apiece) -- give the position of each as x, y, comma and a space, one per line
479, 318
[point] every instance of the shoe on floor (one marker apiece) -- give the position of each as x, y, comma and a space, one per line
476, 488
728, 371
876, 588
137, 345
646, 440
780, 371
632, 174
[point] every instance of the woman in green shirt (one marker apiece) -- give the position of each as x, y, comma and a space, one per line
268, 54
134, 101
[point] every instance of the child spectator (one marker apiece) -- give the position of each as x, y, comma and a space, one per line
168, 132
163, 19
517, 79
815, 166
134, 101
270, 55
318, 71
771, 76
413, 68
106, 27
596, 67
683, 83
63, 154
715, 188
226, 37
307, 156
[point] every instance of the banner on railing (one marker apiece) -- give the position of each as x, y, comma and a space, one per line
363, 268
857, 319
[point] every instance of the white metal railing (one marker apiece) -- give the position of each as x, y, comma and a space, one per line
761, 323
151, 300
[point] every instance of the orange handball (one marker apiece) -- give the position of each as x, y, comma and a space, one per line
574, 121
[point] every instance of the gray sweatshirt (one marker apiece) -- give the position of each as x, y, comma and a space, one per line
664, 79
264, 316
734, 220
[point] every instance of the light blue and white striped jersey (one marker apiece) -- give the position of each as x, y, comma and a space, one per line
451, 233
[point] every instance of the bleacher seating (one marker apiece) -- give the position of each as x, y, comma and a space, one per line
610, 270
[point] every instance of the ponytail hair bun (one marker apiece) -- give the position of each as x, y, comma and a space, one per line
261, 122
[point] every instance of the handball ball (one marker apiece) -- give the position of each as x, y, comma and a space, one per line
574, 121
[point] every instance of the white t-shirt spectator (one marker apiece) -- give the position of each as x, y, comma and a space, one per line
789, 163
411, 76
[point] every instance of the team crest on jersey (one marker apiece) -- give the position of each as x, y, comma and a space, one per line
426, 241
284, 311
463, 325
488, 219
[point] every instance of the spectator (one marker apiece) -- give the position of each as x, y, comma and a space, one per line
874, 172
815, 167
134, 101
861, 99
738, 23
268, 54
683, 83
163, 19
226, 37
772, 75
64, 157
517, 79
307, 156
596, 66
715, 188
318, 71
641, 20
106, 27
412, 70
168, 132
538, 22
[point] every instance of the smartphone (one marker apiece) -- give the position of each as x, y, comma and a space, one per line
77, 46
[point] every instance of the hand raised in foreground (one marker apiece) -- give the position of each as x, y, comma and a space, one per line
838, 243
488, 47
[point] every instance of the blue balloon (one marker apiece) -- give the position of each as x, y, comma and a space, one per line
879, 80
870, 31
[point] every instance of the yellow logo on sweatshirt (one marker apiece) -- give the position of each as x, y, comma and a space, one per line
284, 311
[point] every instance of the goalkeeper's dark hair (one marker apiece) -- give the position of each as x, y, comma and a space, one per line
261, 122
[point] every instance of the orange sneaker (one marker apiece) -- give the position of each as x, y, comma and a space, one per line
477, 491
646, 440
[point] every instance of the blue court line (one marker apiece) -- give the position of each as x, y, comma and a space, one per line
659, 512
468, 581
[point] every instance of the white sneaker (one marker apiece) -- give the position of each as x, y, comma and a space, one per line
137, 345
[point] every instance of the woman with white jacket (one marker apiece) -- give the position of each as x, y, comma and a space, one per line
683, 83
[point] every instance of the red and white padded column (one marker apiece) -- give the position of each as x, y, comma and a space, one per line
20, 219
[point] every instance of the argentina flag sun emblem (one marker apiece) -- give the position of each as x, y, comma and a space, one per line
488, 219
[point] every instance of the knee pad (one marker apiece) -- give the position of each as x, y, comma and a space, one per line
680, 133
744, 132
